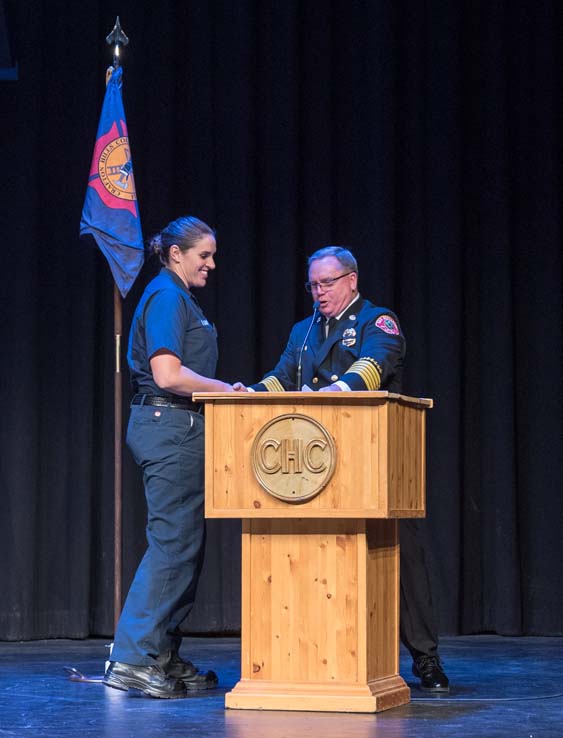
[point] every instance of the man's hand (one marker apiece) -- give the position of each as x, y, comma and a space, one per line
239, 387
331, 388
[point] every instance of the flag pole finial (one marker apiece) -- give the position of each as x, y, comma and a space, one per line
117, 38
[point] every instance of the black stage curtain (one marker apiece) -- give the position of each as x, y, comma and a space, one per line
426, 136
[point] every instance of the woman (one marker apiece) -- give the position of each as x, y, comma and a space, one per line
172, 353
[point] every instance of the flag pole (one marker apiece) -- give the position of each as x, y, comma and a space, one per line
110, 216
117, 39
117, 472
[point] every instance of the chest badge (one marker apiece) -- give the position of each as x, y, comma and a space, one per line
349, 337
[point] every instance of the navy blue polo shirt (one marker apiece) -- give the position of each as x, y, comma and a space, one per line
168, 317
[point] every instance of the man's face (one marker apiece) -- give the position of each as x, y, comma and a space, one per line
336, 296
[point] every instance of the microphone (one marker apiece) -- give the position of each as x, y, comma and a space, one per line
316, 305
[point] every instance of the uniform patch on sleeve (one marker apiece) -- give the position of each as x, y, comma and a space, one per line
387, 324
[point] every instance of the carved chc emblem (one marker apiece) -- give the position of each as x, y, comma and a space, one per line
293, 457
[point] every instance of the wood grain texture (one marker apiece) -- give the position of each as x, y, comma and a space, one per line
379, 470
379, 695
320, 579
320, 609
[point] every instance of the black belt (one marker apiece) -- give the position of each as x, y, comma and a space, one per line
177, 403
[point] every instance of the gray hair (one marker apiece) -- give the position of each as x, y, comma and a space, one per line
344, 256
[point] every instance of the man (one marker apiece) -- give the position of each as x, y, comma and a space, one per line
350, 344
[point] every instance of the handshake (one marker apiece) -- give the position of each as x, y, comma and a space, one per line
240, 387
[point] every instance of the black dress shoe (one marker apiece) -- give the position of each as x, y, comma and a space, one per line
192, 678
151, 680
432, 677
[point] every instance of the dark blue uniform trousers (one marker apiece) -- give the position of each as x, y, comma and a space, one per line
168, 444
417, 620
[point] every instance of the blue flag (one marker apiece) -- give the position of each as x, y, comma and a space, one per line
111, 212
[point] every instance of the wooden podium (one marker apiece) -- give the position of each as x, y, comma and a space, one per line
319, 481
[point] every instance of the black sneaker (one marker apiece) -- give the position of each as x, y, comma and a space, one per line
151, 680
432, 677
192, 678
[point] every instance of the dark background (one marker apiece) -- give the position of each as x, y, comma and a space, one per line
426, 136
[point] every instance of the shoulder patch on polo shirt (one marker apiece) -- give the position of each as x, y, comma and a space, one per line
387, 325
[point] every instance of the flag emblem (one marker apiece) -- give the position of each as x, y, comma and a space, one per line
115, 169
111, 174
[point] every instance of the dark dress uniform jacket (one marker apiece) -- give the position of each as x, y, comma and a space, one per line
364, 349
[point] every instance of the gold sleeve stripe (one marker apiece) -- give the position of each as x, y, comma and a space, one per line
369, 370
273, 384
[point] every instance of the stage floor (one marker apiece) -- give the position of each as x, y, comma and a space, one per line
501, 687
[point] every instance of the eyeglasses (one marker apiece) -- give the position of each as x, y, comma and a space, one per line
326, 284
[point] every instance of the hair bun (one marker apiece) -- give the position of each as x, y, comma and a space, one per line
156, 244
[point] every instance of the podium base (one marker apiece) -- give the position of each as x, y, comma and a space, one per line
376, 696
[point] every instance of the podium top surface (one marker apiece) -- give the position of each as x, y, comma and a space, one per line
312, 397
